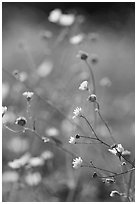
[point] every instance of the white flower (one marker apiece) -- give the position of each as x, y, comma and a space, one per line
72, 140
83, 86
119, 150
28, 95
77, 162
18, 163
77, 39
77, 112
33, 179
47, 155
55, 15
66, 19
35, 161
4, 110
45, 139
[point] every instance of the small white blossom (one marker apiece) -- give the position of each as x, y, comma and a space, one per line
35, 161
72, 140
33, 179
119, 150
83, 86
66, 19
55, 15
77, 39
45, 139
77, 162
28, 95
18, 163
77, 112
4, 110
47, 155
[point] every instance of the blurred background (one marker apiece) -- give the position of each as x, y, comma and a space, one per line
43, 53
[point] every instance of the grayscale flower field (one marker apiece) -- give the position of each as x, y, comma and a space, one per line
68, 99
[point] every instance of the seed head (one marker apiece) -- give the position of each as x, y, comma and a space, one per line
82, 55
21, 121
92, 98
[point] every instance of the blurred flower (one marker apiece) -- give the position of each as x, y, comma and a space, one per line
72, 140
45, 68
77, 39
55, 15
77, 112
33, 179
66, 19
4, 110
119, 150
18, 145
77, 162
52, 131
46, 34
23, 76
94, 58
18, 163
47, 155
28, 95
83, 86
92, 98
105, 82
21, 121
82, 55
10, 177
9, 117
5, 90
114, 193
35, 161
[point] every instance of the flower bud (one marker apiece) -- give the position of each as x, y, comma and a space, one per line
21, 121
92, 98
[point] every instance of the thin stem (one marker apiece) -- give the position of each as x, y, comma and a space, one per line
107, 126
94, 88
118, 174
94, 167
82, 116
12, 129
87, 137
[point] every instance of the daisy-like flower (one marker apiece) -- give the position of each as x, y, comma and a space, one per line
119, 150
4, 110
21, 121
83, 86
72, 140
28, 95
77, 162
77, 112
